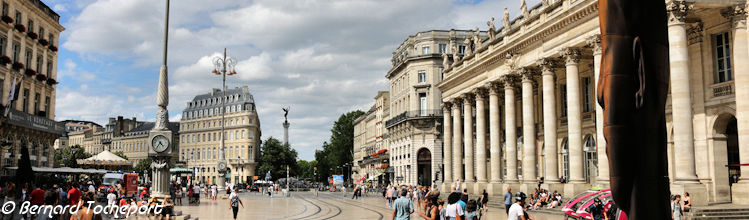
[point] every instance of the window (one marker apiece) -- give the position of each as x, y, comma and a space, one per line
25, 100
422, 76
425, 50
423, 103
31, 25
41, 32
591, 158
587, 95
565, 159
722, 58
46, 105
5, 9
28, 57
3, 40
461, 49
39, 64
563, 98
443, 48
37, 100
51, 39
18, 17
16, 52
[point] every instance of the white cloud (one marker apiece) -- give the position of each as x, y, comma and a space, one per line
59, 8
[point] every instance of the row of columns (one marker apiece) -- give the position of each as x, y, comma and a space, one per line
456, 142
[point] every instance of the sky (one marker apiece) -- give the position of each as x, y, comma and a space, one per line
322, 58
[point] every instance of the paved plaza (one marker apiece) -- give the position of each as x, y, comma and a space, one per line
305, 205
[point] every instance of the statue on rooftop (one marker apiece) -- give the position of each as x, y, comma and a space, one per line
492, 30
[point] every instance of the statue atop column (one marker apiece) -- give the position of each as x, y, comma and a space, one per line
454, 49
477, 40
469, 44
506, 20
524, 9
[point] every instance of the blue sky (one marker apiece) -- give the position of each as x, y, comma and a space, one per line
322, 58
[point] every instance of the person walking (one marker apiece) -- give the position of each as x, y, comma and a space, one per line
516, 210
597, 210
389, 196
234, 202
402, 207
677, 212
508, 200
214, 192
454, 211
484, 200
431, 209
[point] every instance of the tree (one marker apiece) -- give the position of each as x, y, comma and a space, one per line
339, 150
306, 168
143, 166
68, 156
121, 154
274, 157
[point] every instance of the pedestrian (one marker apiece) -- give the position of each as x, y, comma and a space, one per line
431, 209
597, 210
234, 202
356, 188
389, 196
508, 200
178, 194
453, 211
678, 213
214, 192
484, 200
74, 195
516, 209
402, 207
471, 210
50, 201
687, 202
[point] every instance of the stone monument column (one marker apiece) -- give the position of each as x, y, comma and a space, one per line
550, 121
510, 132
603, 159
574, 116
286, 132
160, 137
457, 141
529, 131
468, 99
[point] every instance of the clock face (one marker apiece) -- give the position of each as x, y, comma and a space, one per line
159, 143
221, 165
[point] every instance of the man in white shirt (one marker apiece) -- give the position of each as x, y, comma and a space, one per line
516, 210
111, 197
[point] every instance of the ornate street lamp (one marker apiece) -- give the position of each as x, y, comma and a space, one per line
223, 66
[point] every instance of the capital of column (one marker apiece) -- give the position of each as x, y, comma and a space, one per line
526, 74
480, 93
694, 33
547, 66
509, 80
468, 98
677, 11
446, 105
571, 55
455, 102
595, 43
737, 15
494, 88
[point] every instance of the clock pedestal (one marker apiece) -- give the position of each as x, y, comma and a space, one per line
160, 166
221, 180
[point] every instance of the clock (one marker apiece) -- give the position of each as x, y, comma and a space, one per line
159, 143
221, 166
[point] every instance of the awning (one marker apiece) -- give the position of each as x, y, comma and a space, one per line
105, 158
180, 170
63, 170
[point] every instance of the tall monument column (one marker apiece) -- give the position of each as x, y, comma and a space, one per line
510, 132
574, 116
160, 136
468, 99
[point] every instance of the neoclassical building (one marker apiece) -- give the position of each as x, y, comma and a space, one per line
134, 141
413, 127
520, 109
371, 155
200, 135
29, 31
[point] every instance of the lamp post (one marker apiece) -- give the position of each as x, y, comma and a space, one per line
221, 64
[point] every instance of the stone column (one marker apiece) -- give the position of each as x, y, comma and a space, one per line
468, 100
457, 141
529, 130
740, 190
574, 115
550, 121
447, 143
681, 103
603, 159
510, 133
480, 135
494, 145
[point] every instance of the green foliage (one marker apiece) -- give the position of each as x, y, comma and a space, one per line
306, 169
68, 156
339, 150
143, 166
274, 157
121, 154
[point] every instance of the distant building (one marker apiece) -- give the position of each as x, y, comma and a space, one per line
371, 156
200, 133
134, 143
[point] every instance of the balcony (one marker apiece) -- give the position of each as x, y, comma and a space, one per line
411, 115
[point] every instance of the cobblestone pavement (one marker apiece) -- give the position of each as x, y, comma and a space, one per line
305, 205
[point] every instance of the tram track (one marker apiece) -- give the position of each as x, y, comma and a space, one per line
298, 213
381, 216
319, 209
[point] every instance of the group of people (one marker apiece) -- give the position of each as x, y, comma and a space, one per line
678, 208
542, 198
73, 194
458, 204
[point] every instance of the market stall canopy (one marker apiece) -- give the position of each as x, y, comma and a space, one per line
105, 158
63, 170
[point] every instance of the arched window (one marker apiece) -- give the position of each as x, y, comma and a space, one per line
591, 158
520, 152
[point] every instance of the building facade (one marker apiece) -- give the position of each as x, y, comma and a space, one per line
200, 135
414, 125
134, 142
530, 91
116, 127
29, 32
371, 156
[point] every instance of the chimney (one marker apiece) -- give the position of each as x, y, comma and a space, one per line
245, 89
